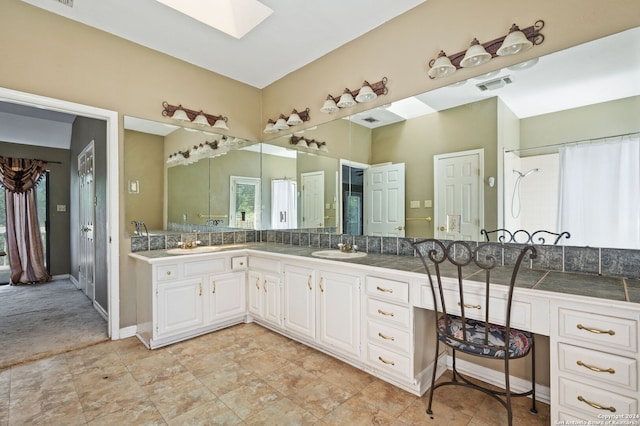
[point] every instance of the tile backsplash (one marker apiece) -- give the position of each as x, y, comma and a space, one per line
588, 260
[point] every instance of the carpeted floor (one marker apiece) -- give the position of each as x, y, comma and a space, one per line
41, 320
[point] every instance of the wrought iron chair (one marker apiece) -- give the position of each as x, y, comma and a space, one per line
522, 236
476, 335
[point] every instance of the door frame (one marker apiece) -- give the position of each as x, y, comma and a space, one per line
436, 183
113, 221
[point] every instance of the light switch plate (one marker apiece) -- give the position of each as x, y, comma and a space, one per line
414, 204
61, 207
428, 203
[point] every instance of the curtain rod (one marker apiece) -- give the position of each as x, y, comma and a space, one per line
37, 159
572, 142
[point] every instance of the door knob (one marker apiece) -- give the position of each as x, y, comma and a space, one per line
442, 228
399, 228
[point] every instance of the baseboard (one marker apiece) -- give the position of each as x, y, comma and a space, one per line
101, 311
488, 375
60, 277
128, 332
74, 281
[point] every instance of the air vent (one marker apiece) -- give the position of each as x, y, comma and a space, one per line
370, 120
495, 83
66, 2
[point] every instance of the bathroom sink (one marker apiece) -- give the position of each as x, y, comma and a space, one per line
201, 249
337, 254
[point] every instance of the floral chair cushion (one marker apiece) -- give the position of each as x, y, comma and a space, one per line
520, 342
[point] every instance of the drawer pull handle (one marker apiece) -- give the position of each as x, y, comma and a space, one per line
384, 290
385, 313
596, 369
595, 330
387, 337
264, 285
596, 406
386, 362
258, 283
471, 306
214, 287
321, 286
199, 289
309, 282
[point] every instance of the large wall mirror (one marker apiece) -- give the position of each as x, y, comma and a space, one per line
481, 154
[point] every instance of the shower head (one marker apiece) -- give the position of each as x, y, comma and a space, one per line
527, 173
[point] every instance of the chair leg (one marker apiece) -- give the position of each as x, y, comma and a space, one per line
433, 376
533, 408
507, 390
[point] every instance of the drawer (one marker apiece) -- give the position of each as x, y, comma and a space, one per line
203, 267
604, 330
388, 312
391, 362
168, 272
603, 367
586, 399
389, 337
239, 263
396, 291
266, 265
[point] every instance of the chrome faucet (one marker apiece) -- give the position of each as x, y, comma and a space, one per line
138, 224
348, 247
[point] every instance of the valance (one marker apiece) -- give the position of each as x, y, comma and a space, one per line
19, 175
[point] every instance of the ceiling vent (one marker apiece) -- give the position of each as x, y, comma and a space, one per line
495, 83
66, 2
370, 120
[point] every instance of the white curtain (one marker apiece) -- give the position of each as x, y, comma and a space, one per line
599, 193
283, 204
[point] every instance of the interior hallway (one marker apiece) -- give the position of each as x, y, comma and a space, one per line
240, 375
40, 320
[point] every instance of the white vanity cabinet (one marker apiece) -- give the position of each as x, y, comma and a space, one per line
323, 306
264, 287
594, 376
181, 297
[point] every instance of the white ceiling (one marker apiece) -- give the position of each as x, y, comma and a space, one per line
295, 34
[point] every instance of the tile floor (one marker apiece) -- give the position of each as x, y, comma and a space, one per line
241, 375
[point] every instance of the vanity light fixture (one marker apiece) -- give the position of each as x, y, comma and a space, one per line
310, 144
200, 118
283, 122
516, 41
366, 93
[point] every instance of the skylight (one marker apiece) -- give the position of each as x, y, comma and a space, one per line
233, 17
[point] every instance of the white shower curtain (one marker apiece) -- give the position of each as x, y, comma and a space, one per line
599, 193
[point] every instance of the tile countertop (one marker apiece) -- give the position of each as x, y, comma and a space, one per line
603, 287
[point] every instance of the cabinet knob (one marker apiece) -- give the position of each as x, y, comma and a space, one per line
442, 228
168, 272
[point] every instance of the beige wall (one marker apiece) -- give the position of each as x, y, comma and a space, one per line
416, 141
143, 162
590, 122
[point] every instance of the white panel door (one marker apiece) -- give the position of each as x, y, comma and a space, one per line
272, 299
86, 215
384, 200
180, 306
459, 212
255, 294
312, 199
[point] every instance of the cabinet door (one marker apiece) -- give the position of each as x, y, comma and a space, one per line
299, 294
340, 311
272, 299
180, 306
255, 294
227, 295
